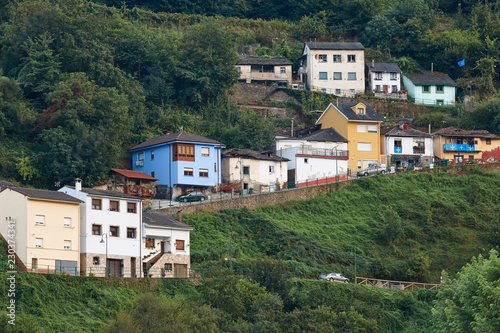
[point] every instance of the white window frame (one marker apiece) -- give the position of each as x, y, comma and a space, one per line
394, 76
67, 245
67, 222
378, 75
322, 58
351, 58
39, 242
205, 151
361, 128
364, 146
40, 220
372, 129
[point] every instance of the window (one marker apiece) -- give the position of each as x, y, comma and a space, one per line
364, 146
40, 220
203, 172
97, 204
283, 70
439, 102
179, 245
140, 156
372, 129
238, 69
130, 232
114, 231
205, 151
306, 161
67, 245
351, 76
188, 171
39, 242
361, 111
440, 89
377, 87
168, 267
323, 58
361, 128
337, 92
351, 58
152, 174
398, 143
418, 146
96, 229
378, 76
426, 89
337, 75
150, 242
246, 170
337, 58
131, 207
114, 205
359, 164
271, 169
152, 155
67, 221
323, 90
394, 89
96, 260
394, 76
323, 75
183, 152
488, 141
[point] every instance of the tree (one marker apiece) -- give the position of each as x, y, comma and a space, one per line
470, 302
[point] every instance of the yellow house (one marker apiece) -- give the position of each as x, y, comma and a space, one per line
44, 227
359, 123
462, 146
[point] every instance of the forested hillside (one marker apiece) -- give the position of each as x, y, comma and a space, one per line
80, 82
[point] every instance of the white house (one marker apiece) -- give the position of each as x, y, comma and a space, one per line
315, 156
165, 245
333, 68
384, 77
405, 146
431, 89
259, 171
110, 231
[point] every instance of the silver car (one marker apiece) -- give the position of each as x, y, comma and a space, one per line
333, 277
371, 170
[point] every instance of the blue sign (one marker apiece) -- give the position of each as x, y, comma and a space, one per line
457, 147
398, 150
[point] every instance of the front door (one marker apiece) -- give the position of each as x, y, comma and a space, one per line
181, 271
115, 268
459, 159
386, 88
132, 267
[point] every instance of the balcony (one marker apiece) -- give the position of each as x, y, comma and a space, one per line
322, 152
458, 147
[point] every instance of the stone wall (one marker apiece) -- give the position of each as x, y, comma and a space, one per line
87, 265
156, 270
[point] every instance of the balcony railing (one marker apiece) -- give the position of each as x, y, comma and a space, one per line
321, 152
459, 147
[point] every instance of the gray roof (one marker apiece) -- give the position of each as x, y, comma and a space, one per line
4, 184
384, 67
45, 194
105, 193
325, 135
247, 60
179, 136
163, 220
434, 78
252, 154
346, 110
335, 46
396, 131
461, 133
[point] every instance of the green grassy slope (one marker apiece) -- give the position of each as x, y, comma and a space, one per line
404, 227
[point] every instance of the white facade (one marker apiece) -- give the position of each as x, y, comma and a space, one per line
334, 68
254, 173
313, 159
167, 236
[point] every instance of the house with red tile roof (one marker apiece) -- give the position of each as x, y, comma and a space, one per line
130, 182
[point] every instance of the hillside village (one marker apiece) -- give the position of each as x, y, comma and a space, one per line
107, 231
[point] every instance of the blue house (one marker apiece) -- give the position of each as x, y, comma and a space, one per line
431, 89
181, 161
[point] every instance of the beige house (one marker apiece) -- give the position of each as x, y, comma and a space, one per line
359, 123
254, 171
462, 146
333, 68
44, 226
265, 70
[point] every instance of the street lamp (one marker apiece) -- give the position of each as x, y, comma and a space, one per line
354, 254
241, 176
336, 165
230, 259
102, 241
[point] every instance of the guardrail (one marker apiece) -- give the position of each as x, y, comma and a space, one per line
398, 285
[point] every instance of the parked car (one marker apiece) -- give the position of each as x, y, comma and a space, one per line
333, 277
191, 196
371, 170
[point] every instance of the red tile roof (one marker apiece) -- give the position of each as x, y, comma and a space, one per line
134, 174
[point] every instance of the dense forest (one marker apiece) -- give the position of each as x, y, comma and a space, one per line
80, 82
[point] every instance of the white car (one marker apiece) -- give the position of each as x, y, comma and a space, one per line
333, 277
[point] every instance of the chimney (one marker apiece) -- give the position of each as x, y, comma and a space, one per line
78, 185
432, 67
179, 215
